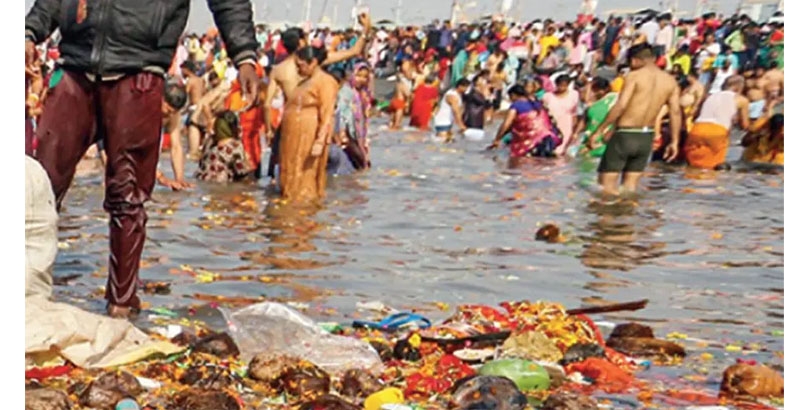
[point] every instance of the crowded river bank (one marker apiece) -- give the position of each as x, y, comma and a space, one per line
433, 226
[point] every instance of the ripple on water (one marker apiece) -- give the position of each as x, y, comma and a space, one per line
454, 224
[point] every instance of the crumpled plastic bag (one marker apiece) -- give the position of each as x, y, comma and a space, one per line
275, 328
85, 339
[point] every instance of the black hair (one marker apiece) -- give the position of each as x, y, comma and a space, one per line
517, 90
775, 123
462, 83
773, 64
189, 65
601, 84
337, 73
309, 53
291, 39
231, 118
563, 79
641, 51
683, 82
212, 76
175, 95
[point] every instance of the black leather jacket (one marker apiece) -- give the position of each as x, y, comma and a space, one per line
125, 36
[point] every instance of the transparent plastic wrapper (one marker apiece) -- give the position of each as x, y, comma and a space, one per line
278, 329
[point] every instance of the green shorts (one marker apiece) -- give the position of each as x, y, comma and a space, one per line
628, 150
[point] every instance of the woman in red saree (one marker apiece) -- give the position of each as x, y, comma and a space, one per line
251, 121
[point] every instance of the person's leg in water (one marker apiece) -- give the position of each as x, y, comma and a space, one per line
195, 140
65, 130
130, 121
627, 153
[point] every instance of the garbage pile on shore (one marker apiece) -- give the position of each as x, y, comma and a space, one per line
519, 355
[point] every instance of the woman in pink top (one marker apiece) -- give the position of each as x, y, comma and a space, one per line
563, 106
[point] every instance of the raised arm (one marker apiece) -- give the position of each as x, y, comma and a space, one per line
342, 55
42, 20
234, 18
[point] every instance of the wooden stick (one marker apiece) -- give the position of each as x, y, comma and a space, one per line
616, 307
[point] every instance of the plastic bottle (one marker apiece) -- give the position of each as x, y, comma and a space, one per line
127, 404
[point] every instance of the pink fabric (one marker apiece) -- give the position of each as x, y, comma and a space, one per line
563, 109
528, 130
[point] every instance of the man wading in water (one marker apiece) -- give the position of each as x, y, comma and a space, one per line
628, 150
115, 54
286, 77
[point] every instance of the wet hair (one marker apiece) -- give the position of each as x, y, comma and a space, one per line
601, 84
775, 123
462, 83
337, 73
518, 91
641, 51
189, 65
732, 81
175, 95
563, 79
291, 39
683, 82
312, 53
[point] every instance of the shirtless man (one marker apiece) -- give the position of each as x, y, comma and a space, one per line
403, 91
174, 99
195, 88
285, 76
772, 78
628, 150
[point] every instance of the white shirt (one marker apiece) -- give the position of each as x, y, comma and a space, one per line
719, 108
706, 52
445, 115
664, 37
720, 78
650, 30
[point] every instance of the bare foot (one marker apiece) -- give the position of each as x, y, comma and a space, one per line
122, 312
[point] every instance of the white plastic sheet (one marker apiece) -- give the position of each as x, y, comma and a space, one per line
278, 329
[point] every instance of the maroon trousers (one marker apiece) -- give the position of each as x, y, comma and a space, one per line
126, 114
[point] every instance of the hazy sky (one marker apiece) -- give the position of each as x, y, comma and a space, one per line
420, 11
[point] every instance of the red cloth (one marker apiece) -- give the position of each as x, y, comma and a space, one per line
166, 142
47, 372
422, 105
777, 36
606, 375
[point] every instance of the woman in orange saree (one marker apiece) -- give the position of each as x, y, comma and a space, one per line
306, 130
251, 121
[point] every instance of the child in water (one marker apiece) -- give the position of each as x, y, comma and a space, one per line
224, 158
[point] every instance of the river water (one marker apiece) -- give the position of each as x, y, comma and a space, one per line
454, 224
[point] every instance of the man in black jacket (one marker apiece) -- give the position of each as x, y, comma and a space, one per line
114, 55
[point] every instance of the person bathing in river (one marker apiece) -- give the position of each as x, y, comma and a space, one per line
307, 127
563, 105
223, 156
597, 113
628, 149
450, 111
423, 104
533, 132
286, 78
477, 103
349, 150
764, 144
707, 144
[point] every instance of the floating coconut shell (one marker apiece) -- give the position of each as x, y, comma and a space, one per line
744, 380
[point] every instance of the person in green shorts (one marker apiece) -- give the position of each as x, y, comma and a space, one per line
597, 113
647, 88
